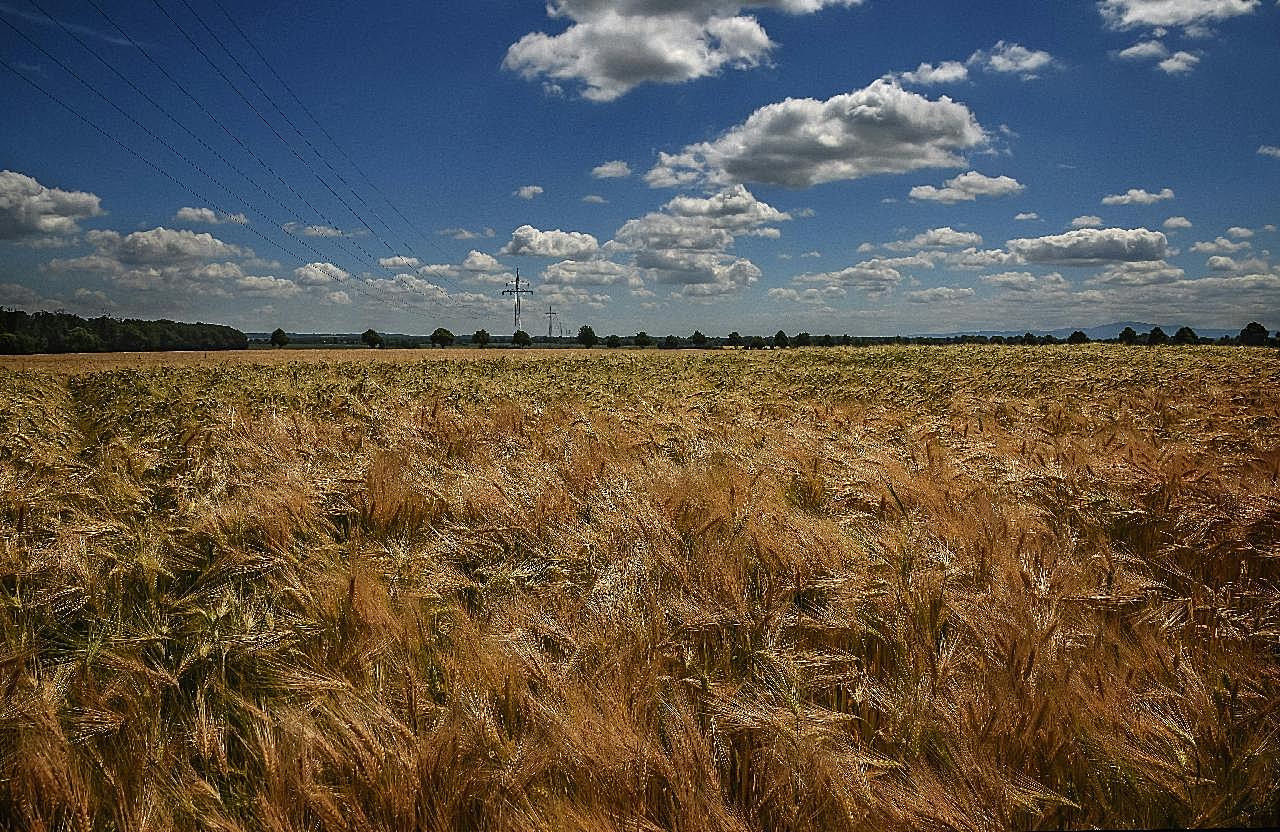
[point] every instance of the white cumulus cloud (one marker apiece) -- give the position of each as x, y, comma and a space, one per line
208, 216
528, 191
1012, 58
320, 274
1004, 57
802, 142
1138, 196
872, 277
947, 72
937, 238
1138, 273
687, 243
611, 48
616, 169
399, 261
1092, 246
967, 187
1179, 62
565, 245
591, 273
940, 294
1144, 50
1193, 14
1023, 282
467, 233
1220, 246
29, 209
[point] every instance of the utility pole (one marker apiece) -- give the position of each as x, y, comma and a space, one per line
515, 291
550, 314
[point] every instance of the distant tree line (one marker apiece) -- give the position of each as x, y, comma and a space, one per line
1254, 334
22, 333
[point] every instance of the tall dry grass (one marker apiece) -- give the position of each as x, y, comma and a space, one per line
960, 588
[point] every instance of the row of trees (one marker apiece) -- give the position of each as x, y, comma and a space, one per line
22, 333
1252, 335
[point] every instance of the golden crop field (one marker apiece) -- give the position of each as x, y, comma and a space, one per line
972, 588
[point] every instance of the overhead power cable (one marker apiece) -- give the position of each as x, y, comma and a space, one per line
334, 142
217, 69
132, 152
256, 111
169, 146
196, 136
201, 198
285, 116
217, 121
360, 285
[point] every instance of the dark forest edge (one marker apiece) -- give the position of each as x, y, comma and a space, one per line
61, 332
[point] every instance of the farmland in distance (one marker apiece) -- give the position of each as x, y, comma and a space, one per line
882, 588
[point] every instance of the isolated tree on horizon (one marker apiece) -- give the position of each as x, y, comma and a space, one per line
279, 338
521, 338
371, 338
780, 340
642, 339
1186, 335
441, 337
587, 337
1253, 335
734, 339
1128, 335
698, 339
1157, 337
481, 338
1077, 337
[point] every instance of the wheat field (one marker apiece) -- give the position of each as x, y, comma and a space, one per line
971, 588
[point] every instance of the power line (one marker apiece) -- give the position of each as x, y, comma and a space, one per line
168, 146
301, 135
289, 122
369, 257
176, 121
218, 122
361, 285
157, 168
221, 43
124, 146
319, 125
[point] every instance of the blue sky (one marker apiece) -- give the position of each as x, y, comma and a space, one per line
822, 165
